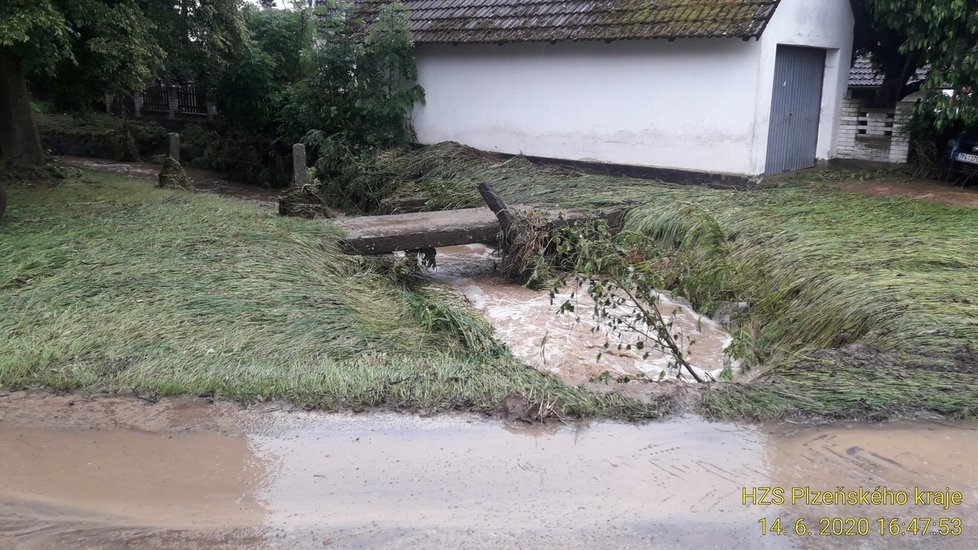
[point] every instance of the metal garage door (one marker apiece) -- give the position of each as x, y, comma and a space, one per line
795, 107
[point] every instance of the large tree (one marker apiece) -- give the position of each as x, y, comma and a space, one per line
903, 36
111, 37
88, 48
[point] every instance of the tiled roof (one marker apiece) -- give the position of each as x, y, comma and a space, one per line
468, 21
862, 75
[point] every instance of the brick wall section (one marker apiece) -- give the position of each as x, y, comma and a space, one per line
874, 134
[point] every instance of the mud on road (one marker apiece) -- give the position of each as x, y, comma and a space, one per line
120, 472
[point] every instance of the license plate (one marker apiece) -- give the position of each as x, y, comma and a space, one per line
965, 157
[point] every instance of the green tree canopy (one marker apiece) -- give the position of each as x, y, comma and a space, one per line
87, 48
940, 35
111, 39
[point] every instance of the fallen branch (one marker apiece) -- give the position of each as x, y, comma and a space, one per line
499, 208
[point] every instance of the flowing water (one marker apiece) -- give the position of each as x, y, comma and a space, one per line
120, 473
569, 345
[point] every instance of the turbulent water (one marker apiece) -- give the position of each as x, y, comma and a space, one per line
569, 345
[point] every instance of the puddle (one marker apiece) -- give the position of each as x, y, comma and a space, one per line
528, 323
204, 180
111, 471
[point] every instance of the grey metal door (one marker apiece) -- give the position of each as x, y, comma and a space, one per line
795, 108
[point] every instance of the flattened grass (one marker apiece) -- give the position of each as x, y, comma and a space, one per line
109, 285
860, 306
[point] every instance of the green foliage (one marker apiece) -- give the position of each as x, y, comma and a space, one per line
86, 48
621, 274
250, 93
82, 49
113, 52
928, 139
201, 38
357, 100
941, 35
37, 29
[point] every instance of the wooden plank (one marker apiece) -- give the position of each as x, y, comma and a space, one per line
418, 230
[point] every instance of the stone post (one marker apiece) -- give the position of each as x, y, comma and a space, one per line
137, 101
108, 103
299, 175
174, 146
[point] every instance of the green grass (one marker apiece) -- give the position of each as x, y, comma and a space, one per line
860, 307
109, 285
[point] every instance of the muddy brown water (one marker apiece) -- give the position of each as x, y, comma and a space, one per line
572, 346
120, 473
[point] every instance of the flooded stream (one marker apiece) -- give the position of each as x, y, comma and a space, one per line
119, 472
566, 344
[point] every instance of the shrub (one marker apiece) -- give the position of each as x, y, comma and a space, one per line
357, 101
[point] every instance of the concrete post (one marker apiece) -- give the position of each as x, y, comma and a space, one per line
299, 175
108, 103
174, 101
174, 146
138, 103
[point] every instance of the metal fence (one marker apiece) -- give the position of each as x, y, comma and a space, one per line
156, 99
184, 100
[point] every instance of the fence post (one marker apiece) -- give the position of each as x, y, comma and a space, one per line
108, 103
174, 100
137, 100
174, 146
299, 175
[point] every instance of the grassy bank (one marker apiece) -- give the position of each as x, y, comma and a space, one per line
107, 284
860, 307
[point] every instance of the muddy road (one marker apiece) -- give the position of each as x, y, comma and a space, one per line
121, 472
204, 180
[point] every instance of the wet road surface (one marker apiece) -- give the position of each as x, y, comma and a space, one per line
119, 472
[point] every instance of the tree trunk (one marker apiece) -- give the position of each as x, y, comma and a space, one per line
19, 142
499, 208
895, 77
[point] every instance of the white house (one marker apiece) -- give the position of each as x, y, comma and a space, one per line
717, 88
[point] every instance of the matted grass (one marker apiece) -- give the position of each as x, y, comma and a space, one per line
860, 306
107, 284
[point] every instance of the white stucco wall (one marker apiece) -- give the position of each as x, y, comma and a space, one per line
695, 104
648, 103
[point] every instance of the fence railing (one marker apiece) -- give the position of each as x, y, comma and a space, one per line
187, 101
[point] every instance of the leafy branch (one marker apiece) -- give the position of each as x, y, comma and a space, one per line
622, 289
